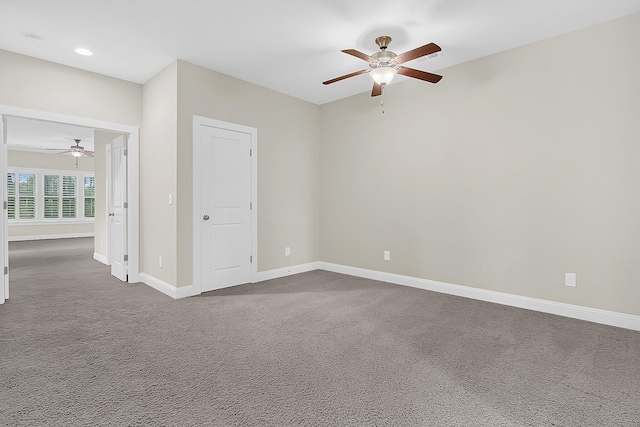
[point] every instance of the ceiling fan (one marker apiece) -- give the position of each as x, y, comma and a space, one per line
75, 150
384, 65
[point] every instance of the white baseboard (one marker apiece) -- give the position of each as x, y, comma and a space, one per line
188, 291
595, 315
285, 271
101, 258
167, 289
605, 317
48, 236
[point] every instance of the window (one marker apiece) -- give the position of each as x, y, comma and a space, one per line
51, 196
68, 196
27, 195
89, 197
44, 196
11, 195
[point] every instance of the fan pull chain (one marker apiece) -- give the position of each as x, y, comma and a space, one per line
76, 163
382, 100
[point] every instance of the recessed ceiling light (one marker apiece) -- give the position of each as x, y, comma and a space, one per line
83, 51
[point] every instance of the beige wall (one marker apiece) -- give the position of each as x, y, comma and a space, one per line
41, 85
158, 175
288, 141
101, 139
513, 170
28, 160
288, 153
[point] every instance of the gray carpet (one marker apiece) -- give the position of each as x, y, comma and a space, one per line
78, 347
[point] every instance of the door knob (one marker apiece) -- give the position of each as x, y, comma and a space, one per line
206, 217
112, 214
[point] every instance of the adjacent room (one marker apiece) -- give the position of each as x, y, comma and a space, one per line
412, 213
51, 191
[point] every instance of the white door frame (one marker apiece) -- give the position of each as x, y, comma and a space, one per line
132, 172
199, 121
106, 205
4, 223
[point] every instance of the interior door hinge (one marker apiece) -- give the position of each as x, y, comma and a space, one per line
126, 151
126, 257
250, 259
250, 205
250, 152
6, 270
6, 205
125, 205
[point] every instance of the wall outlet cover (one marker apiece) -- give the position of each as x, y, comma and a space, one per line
570, 280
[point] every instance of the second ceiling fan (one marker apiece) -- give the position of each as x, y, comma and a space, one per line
75, 150
384, 65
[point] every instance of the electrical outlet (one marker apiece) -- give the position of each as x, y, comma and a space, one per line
287, 251
160, 261
387, 255
570, 280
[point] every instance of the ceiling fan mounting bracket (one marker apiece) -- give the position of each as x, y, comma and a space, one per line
383, 42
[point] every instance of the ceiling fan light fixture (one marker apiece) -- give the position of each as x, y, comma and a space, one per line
383, 75
76, 153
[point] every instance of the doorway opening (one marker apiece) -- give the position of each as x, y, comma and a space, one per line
52, 200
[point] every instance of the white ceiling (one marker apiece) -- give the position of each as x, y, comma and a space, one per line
40, 136
290, 46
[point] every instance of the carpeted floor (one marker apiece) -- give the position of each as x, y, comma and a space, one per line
78, 347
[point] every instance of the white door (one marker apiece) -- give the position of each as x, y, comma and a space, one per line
224, 207
116, 206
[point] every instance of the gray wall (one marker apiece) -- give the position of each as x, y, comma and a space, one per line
513, 170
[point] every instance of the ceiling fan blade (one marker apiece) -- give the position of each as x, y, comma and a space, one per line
417, 74
427, 49
360, 55
346, 76
88, 153
377, 89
